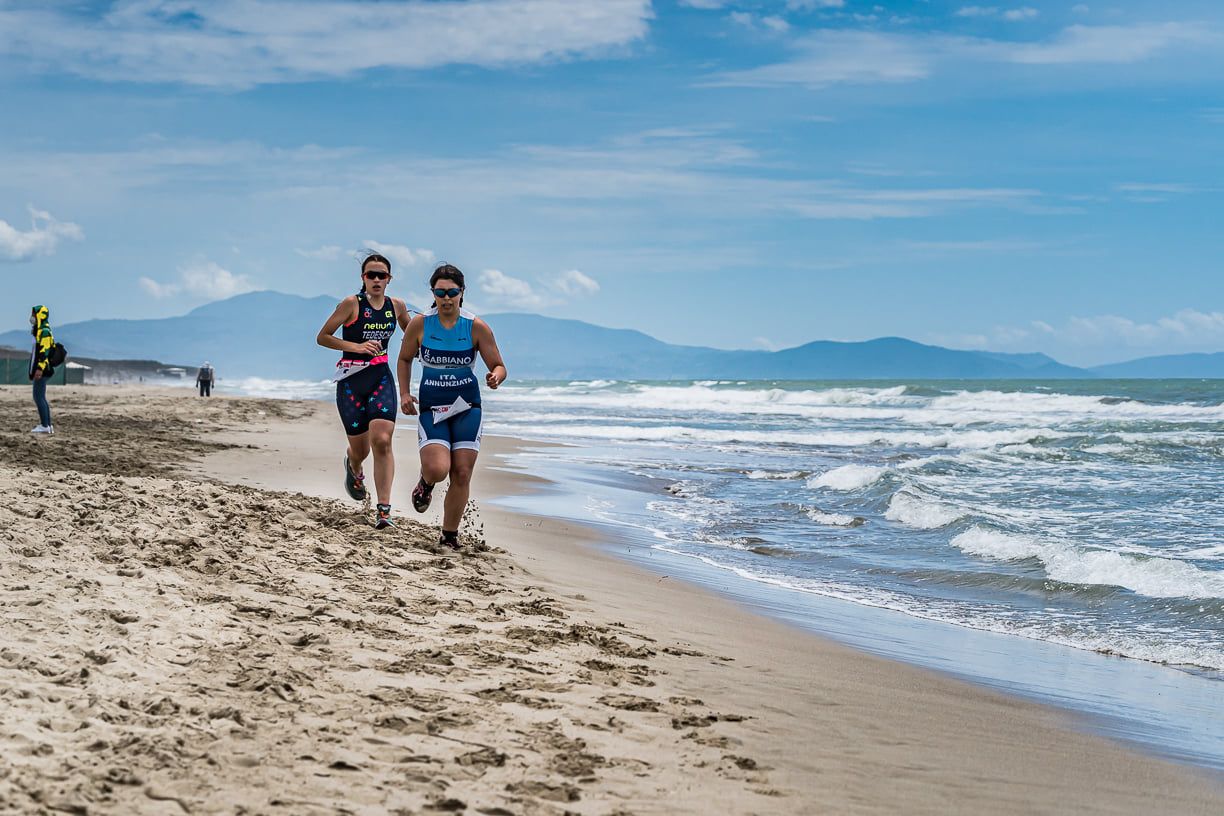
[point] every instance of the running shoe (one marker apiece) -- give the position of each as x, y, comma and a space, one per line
353, 485
422, 495
449, 540
43, 429
383, 519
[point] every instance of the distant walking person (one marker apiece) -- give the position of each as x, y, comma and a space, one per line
365, 387
205, 378
41, 368
446, 340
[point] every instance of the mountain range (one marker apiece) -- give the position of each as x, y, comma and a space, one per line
272, 335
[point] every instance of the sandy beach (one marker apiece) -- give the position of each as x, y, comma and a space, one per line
196, 620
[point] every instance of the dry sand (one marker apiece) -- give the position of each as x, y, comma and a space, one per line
194, 621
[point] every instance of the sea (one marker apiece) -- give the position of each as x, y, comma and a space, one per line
1063, 540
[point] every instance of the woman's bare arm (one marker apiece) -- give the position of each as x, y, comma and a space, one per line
486, 344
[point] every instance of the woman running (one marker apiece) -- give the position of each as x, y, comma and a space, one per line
447, 340
365, 388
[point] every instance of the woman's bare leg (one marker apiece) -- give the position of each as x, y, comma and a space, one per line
380, 434
463, 462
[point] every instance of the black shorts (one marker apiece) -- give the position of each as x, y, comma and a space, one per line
364, 396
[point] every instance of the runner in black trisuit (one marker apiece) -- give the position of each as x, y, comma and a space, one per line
365, 388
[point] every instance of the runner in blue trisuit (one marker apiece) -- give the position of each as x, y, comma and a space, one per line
446, 340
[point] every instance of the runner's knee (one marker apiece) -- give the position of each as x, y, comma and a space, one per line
461, 473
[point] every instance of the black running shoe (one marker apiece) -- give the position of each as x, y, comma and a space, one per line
450, 540
354, 486
383, 518
422, 495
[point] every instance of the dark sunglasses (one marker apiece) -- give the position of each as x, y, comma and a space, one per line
375, 275
453, 292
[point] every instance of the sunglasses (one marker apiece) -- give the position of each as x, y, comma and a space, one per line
453, 292
375, 275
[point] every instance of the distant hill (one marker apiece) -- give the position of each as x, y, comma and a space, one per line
1193, 366
257, 334
269, 334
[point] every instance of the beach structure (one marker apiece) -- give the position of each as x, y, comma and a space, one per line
15, 370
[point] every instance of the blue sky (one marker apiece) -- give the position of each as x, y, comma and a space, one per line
1013, 176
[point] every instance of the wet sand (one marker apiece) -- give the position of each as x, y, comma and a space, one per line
195, 620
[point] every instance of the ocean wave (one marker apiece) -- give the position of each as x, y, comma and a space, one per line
922, 513
772, 475
1154, 577
281, 389
904, 404
834, 519
712, 398
830, 438
592, 383
848, 477
1154, 647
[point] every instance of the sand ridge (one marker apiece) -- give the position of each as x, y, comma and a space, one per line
177, 645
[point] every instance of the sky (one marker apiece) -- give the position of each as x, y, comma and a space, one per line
732, 173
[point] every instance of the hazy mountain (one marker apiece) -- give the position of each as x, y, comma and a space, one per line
1194, 366
270, 334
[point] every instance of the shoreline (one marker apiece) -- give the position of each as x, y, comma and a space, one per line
1110, 695
542, 545
817, 724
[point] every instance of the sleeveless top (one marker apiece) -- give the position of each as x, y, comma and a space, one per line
447, 357
370, 324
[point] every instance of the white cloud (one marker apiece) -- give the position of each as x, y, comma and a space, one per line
841, 56
976, 11
512, 293
398, 254
158, 290
1102, 336
1186, 327
574, 283
1011, 15
250, 42
806, 5
323, 253
691, 170
1110, 45
1155, 192
204, 280
705, 4
764, 22
40, 240
515, 293
1023, 13
994, 245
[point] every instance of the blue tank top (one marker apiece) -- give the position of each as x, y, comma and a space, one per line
447, 357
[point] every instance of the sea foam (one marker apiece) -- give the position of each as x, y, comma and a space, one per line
1151, 576
848, 477
924, 514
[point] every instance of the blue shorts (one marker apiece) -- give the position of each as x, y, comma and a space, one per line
365, 396
460, 432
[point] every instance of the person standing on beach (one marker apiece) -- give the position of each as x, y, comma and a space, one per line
446, 340
40, 366
205, 378
365, 387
